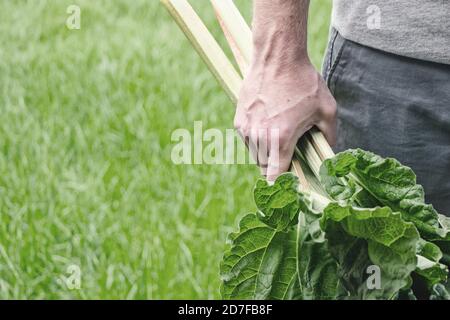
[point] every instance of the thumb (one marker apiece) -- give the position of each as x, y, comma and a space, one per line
328, 128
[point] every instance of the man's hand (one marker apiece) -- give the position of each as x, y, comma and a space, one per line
289, 103
282, 93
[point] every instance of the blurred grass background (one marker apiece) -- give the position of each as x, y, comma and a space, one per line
85, 172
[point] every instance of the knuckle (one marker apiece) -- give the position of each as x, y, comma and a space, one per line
329, 113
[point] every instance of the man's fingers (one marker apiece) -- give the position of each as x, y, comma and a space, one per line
263, 170
263, 148
258, 143
279, 163
252, 145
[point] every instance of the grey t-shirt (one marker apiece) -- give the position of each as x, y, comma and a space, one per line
413, 28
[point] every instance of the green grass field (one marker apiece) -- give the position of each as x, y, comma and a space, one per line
86, 177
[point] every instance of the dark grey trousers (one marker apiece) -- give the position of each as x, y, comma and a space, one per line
396, 107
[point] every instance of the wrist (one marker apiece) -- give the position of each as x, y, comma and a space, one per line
280, 61
276, 47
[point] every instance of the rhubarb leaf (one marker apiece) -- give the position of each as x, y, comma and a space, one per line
278, 204
428, 265
317, 269
361, 238
261, 263
389, 183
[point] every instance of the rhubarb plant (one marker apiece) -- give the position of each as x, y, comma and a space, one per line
372, 237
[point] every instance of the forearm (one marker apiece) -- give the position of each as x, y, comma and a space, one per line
280, 31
